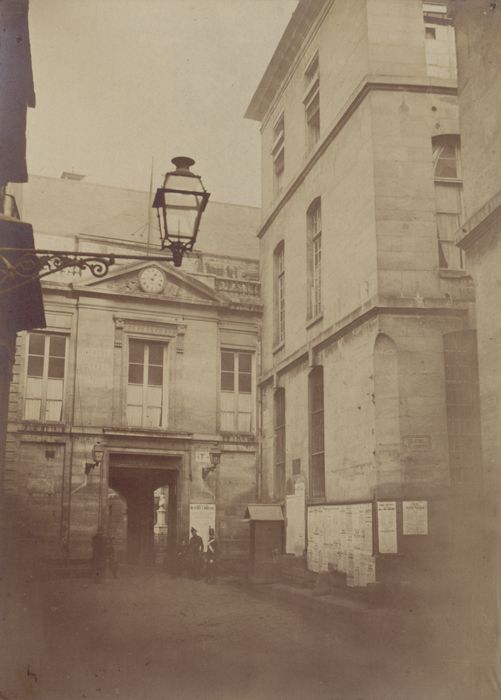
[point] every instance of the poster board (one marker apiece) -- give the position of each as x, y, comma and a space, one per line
415, 517
340, 538
387, 527
203, 516
295, 541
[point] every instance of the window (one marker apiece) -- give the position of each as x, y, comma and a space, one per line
314, 258
448, 199
236, 391
278, 155
146, 387
440, 41
316, 405
311, 103
279, 294
435, 10
45, 377
279, 420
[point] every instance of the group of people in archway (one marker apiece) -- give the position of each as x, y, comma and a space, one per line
193, 560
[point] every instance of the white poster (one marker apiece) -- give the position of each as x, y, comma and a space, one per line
415, 518
296, 521
387, 526
315, 538
202, 517
362, 527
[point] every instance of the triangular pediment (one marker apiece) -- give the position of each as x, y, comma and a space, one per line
154, 279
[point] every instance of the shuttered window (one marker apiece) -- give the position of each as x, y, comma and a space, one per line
317, 454
147, 385
279, 447
45, 377
236, 400
448, 200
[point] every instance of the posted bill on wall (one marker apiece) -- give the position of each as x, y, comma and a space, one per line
202, 517
415, 517
387, 527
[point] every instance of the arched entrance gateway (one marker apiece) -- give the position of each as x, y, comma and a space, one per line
138, 479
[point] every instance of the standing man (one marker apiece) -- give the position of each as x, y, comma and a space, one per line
98, 556
211, 555
181, 562
111, 557
195, 551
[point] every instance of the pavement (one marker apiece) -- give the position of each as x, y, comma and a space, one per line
147, 636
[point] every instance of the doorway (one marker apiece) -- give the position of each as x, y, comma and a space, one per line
150, 497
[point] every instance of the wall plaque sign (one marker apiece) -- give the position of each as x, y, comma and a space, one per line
417, 442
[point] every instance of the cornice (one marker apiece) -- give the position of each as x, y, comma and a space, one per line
372, 309
155, 433
218, 303
284, 57
480, 223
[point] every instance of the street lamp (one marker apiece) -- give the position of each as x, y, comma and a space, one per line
180, 204
98, 453
97, 457
215, 458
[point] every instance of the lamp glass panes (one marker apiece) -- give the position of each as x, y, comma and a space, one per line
215, 456
97, 453
180, 204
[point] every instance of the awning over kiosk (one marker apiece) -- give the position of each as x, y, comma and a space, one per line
266, 512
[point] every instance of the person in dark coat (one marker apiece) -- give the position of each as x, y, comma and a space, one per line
211, 557
98, 556
111, 557
181, 561
195, 551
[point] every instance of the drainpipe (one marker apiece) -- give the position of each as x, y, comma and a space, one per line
72, 438
82, 485
259, 470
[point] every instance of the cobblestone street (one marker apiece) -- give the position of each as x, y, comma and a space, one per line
149, 637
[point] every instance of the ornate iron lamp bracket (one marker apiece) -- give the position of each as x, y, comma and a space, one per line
18, 266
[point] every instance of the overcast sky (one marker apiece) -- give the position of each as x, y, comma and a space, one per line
119, 82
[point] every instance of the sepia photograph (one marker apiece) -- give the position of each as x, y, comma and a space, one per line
250, 350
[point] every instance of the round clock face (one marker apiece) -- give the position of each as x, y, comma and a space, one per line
152, 280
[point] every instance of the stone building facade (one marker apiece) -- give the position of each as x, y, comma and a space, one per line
478, 27
158, 364
367, 432
480, 235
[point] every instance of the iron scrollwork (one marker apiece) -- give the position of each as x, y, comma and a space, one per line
18, 267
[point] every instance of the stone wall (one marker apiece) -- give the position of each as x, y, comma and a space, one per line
479, 55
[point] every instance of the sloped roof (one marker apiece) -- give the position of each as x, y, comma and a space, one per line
264, 511
288, 47
68, 208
